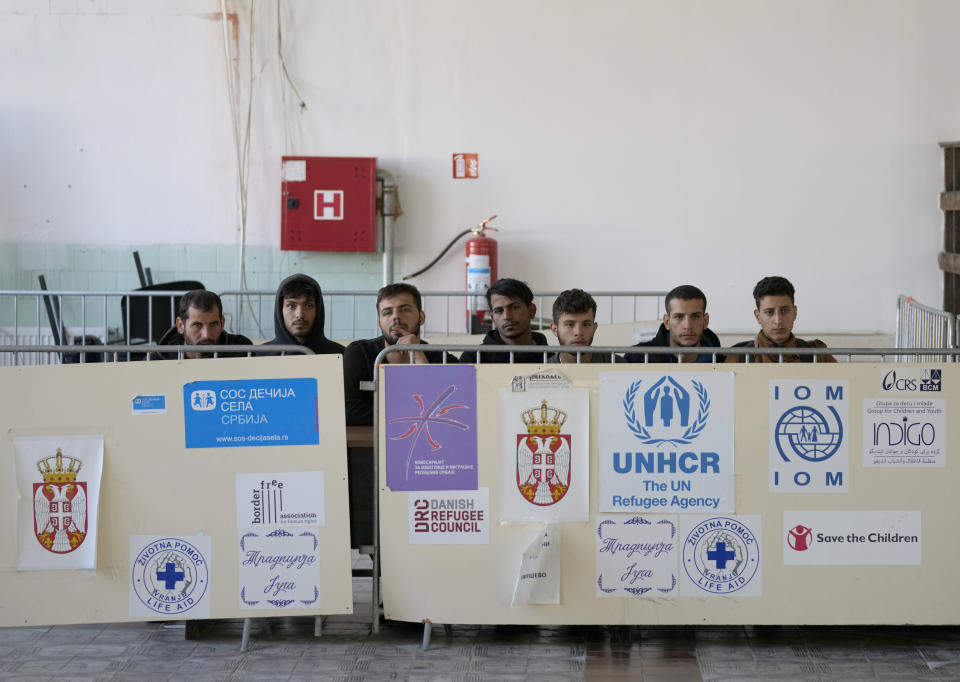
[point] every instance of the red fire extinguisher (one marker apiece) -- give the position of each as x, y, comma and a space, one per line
481, 269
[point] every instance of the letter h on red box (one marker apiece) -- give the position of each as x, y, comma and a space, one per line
328, 204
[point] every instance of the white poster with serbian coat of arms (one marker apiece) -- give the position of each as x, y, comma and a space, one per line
58, 483
545, 455
666, 442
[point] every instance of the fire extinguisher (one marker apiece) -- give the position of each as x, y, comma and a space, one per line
481, 269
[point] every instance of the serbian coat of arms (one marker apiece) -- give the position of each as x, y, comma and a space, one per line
543, 456
60, 504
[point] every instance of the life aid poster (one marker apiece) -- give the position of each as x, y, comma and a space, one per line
544, 455
666, 442
58, 481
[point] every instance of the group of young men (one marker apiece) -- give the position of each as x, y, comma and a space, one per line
299, 317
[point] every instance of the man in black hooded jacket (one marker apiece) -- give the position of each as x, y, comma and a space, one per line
298, 316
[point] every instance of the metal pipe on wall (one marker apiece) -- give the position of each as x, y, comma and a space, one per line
389, 209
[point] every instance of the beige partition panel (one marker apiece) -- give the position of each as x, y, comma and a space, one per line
475, 583
153, 486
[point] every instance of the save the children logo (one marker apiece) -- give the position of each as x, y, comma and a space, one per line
666, 411
800, 538
543, 456
203, 400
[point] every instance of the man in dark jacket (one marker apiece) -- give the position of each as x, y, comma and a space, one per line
684, 325
574, 324
399, 315
199, 322
776, 313
511, 310
298, 316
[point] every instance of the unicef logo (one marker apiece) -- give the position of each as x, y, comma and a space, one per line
808, 434
665, 411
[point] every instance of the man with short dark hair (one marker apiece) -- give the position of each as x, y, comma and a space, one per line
298, 316
399, 316
199, 322
684, 325
776, 313
574, 324
512, 310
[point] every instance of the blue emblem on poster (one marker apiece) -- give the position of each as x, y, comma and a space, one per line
250, 412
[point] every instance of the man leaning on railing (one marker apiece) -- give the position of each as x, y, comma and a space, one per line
199, 322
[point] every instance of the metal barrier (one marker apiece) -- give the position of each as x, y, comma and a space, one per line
115, 353
718, 353
920, 326
105, 317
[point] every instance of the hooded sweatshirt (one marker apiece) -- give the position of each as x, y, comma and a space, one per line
707, 340
315, 340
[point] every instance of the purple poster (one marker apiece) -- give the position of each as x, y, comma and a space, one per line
430, 418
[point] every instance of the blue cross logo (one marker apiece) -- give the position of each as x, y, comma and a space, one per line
721, 555
170, 576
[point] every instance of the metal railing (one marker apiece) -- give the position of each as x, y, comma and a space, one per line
129, 316
921, 326
126, 352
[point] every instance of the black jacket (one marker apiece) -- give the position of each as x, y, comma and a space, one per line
493, 339
174, 338
316, 341
707, 340
358, 366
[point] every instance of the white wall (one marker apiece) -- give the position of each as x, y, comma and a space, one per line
624, 145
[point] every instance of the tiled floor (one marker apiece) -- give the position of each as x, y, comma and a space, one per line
286, 649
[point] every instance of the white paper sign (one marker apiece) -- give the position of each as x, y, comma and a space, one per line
544, 455
636, 556
280, 499
809, 435
904, 432
58, 484
852, 538
279, 569
721, 556
538, 581
455, 517
170, 576
666, 441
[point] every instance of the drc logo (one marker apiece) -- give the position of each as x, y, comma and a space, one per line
202, 400
809, 451
721, 555
799, 538
667, 411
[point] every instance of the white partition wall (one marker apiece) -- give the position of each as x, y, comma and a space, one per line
190, 524
866, 539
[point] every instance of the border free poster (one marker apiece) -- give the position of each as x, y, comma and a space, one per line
58, 483
544, 455
430, 420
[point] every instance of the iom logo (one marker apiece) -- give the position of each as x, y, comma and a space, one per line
667, 412
806, 433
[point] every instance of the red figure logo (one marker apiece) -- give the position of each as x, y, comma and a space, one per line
800, 538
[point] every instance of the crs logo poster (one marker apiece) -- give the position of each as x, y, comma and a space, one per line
666, 441
809, 435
